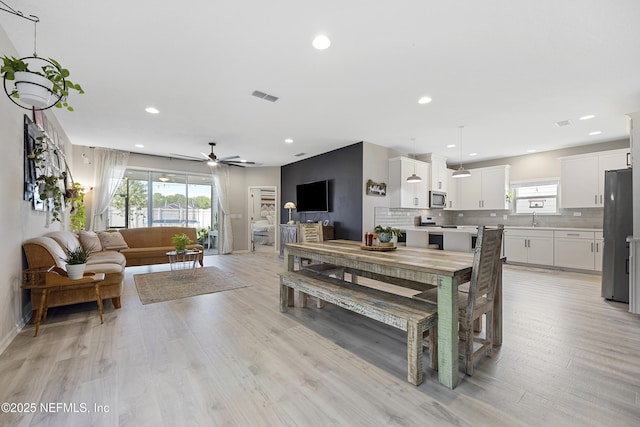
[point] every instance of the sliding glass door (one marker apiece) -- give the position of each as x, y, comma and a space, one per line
158, 199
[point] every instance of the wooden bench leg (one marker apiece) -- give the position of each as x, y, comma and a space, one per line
433, 347
284, 297
302, 298
414, 352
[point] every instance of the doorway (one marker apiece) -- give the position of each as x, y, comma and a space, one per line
263, 219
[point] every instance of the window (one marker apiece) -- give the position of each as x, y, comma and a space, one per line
154, 199
539, 197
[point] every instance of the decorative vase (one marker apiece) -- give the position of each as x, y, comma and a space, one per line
33, 89
384, 237
75, 271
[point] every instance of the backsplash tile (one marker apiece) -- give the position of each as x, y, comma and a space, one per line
399, 218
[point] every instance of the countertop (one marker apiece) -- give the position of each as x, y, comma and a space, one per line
473, 229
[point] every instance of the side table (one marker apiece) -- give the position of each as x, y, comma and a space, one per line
44, 280
183, 263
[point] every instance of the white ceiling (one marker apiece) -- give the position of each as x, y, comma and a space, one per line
506, 70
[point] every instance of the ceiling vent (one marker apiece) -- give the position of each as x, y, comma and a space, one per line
264, 96
563, 123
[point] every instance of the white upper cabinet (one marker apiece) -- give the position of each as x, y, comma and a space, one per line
403, 194
485, 189
439, 173
582, 177
452, 191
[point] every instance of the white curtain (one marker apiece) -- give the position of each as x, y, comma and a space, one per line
110, 166
221, 181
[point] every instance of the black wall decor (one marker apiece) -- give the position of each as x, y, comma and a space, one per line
343, 169
31, 132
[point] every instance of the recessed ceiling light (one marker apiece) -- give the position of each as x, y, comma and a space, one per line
587, 117
473, 154
139, 145
289, 141
597, 132
531, 151
151, 110
424, 100
321, 42
451, 145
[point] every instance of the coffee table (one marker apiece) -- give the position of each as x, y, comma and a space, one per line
183, 263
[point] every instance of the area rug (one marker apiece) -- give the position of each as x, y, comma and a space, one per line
167, 286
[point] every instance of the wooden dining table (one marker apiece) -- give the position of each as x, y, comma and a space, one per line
414, 268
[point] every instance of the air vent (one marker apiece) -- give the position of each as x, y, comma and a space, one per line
300, 154
264, 96
563, 123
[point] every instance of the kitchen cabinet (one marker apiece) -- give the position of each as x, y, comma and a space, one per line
485, 189
452, 191
403, 194
576, 249
599, 242
439, 176
582, 177
529, 246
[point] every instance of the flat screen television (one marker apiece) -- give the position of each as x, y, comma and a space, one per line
313, 197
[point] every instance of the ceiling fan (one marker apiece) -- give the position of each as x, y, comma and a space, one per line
212, 159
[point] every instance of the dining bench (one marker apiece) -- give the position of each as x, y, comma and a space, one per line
403, 313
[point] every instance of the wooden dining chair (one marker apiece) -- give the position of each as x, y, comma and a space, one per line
309, 232
478, 299
312, 232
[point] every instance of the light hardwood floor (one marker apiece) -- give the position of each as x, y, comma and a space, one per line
231, 358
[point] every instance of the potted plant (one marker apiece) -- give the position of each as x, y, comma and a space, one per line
75, 196
386, 233
203, 235
180, 241
76, 262
35, 87
51, 194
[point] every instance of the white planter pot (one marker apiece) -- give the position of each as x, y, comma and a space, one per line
33, 89
75, 271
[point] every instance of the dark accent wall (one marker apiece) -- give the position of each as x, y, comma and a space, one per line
343, 169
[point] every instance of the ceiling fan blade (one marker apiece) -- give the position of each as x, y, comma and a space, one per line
182, 156
228, 158
206, 156
237, 161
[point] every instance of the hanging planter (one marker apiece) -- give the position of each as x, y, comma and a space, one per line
33, 89
25, 88
42, 87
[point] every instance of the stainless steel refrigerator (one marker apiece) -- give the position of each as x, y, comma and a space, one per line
618, 224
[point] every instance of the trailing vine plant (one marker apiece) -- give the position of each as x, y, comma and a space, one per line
49, 182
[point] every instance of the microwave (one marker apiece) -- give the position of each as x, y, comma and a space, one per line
437, 199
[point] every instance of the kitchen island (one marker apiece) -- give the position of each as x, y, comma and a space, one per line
459, 239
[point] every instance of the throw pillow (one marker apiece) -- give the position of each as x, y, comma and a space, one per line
112, 240
90, 241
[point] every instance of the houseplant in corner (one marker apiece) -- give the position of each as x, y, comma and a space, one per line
180, 241
386, 233
35, 86
76, 262
75, 196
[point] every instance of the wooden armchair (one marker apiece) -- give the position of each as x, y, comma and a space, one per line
478, 300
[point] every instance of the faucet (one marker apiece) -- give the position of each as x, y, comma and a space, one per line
533, 219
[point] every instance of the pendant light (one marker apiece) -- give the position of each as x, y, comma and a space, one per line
414, 179
461, 172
